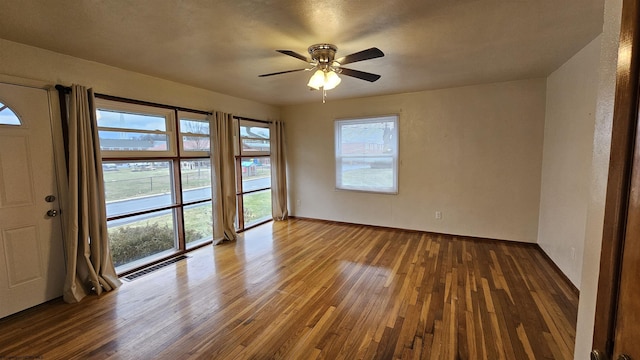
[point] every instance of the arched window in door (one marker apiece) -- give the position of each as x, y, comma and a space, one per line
7, 116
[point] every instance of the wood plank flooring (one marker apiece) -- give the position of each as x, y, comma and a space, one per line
305, 289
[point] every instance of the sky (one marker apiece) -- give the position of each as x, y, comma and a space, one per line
7, 117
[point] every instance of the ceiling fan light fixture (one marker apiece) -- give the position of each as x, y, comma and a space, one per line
331, 80
325, 79
317, 80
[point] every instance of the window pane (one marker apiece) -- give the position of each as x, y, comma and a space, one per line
367, 138
192, 126
122, 120
141, 237
196, 180
135, 186
366, 154
257, 207
367, 173
256, 173
132, 141
196, 143
253, 145
254, 138
198, 224
254, 132
7, 116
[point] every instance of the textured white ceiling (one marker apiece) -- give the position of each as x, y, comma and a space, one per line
223, 45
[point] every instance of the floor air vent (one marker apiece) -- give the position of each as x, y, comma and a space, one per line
153, 268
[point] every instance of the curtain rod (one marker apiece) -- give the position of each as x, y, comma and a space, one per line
254, 120
67, 90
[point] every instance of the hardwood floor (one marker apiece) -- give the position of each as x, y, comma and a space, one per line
304, 289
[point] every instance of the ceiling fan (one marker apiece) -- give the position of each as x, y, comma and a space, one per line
326, 67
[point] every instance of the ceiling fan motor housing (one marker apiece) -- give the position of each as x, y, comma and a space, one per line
324, 54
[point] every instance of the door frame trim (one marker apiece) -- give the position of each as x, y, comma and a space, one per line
623, 138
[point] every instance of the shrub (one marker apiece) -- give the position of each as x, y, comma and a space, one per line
130, 243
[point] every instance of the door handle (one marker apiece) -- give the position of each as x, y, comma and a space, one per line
52, 213
598, 355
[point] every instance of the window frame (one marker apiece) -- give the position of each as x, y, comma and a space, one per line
174, 155
255, 123
239, 155
190, 155
170, 125
394, 156
191, 116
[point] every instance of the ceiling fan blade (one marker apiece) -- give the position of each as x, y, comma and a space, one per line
295, 55
359, 74
281, 72
367, 54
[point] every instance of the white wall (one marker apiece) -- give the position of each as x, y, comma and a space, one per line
598, 179
566, 159
34, 63
474, 153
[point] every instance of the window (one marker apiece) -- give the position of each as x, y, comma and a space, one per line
367, 154
253, 169
194, 135
157, 176
7, 116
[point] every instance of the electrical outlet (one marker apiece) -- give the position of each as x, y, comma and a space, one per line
298, 203
438, 215
573, 253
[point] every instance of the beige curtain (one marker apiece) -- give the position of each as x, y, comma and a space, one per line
89, 265
278, 172
223, 179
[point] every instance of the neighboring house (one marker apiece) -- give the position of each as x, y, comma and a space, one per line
370, 141
126, 144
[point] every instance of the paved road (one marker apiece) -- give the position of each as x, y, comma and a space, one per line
149, 202
255, 184
115, 208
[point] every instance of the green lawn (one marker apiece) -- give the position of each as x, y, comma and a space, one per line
125, 183
257, 206
368, 177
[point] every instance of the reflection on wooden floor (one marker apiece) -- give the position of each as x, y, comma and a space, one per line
304, 289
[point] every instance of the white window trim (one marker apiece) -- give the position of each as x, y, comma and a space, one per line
170, 124
255, 124
192, 116
395, 156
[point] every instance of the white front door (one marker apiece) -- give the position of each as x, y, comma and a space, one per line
31, 250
